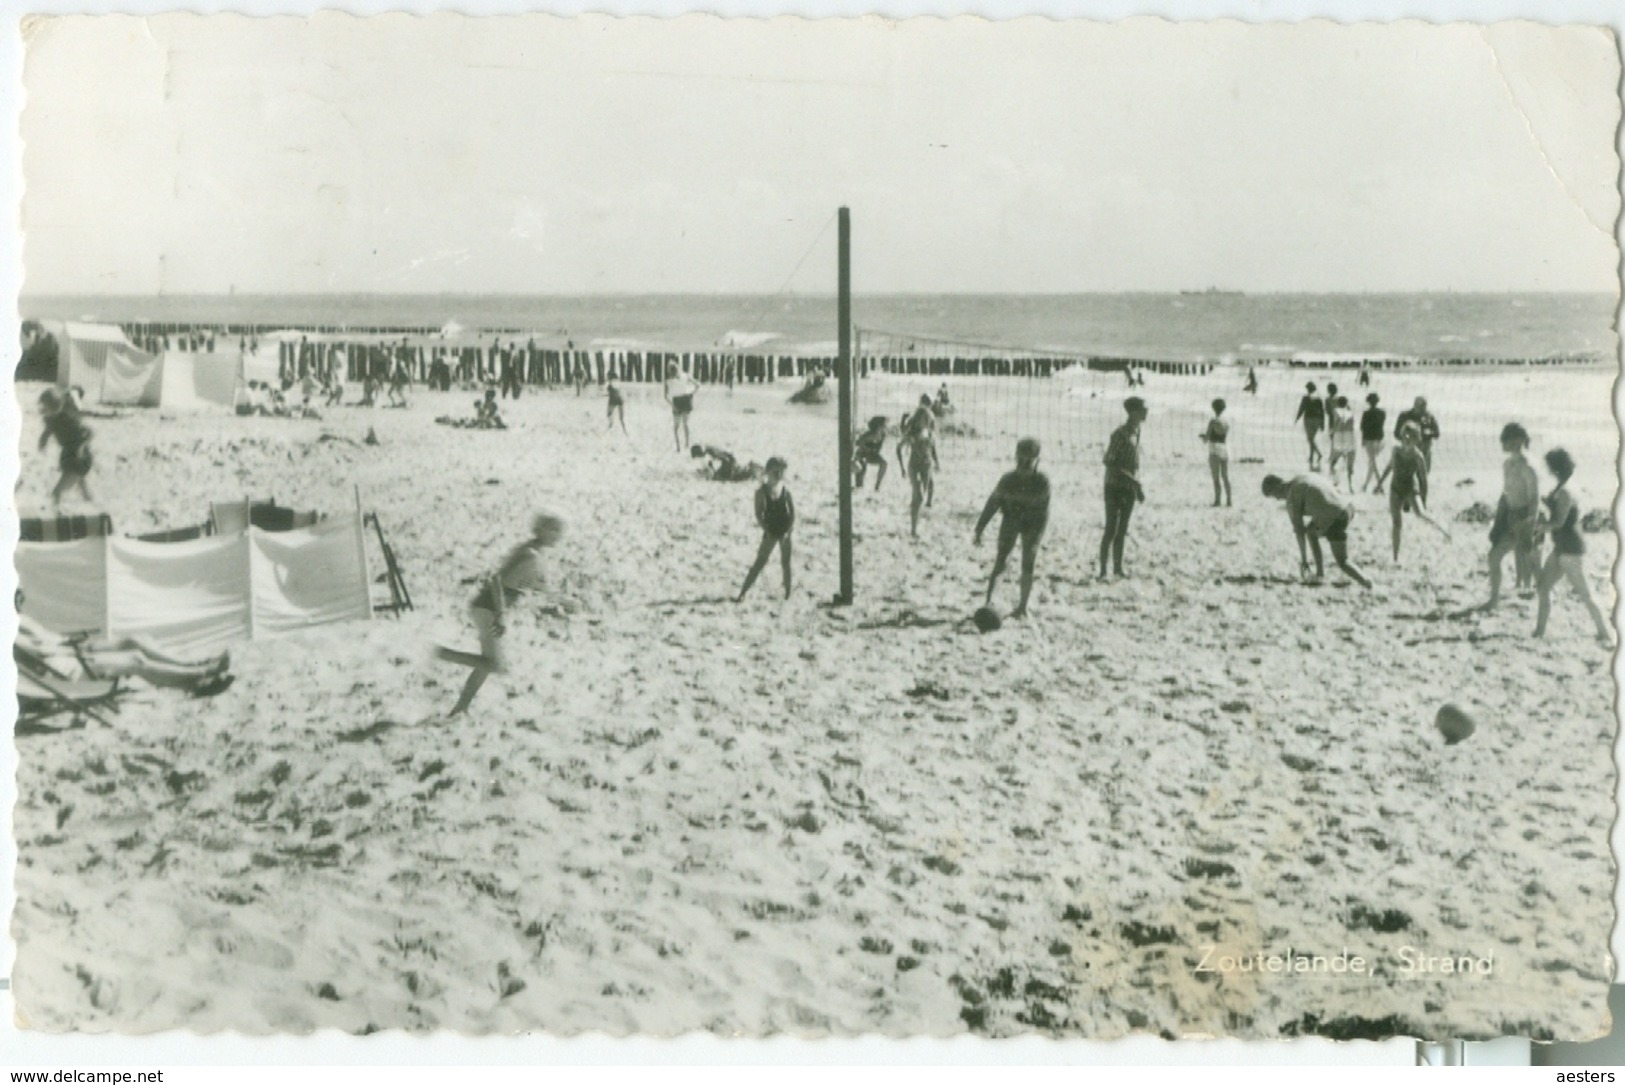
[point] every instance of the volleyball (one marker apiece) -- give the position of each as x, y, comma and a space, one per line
1454, 724
987, 619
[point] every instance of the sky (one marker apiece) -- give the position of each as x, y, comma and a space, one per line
537, 154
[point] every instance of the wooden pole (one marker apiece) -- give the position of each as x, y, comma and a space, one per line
843, 310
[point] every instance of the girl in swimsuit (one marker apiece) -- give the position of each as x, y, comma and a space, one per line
919, 435
1217, 436
617, 408
776, 516
1567, 560
1409, 489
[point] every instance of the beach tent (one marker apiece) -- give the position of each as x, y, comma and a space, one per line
102, 361
195, 598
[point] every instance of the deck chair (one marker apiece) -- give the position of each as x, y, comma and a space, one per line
229, 517
44, 692
64, 528
179, 534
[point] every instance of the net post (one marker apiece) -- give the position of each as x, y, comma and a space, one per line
843, 315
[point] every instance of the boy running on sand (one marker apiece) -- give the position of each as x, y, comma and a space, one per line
1516, 512
1316, 510
1217, 437
870, 449
1409, 491
1312, 412
520, 571
1567, 560
776, 516
1022, 496
63, 422
1123, 489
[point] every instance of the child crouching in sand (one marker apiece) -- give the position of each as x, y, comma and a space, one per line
520, 571
776, 515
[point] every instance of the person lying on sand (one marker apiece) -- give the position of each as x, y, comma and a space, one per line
1316, 510
776, 516
1516, 513
1567, 560
1022, 496
520, 572
121, 657
721, 466
870, 449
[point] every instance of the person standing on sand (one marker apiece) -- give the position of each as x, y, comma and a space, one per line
1373, 436
1313, 415
1427, 427
1217, 437
1342, 440
1317, 511
1122, 490
1251, 387
776, 516
1517, 511
1409, 491
1022, 496
680, 390
1567, 560
919, 438
520, 572
63, 422
617, 407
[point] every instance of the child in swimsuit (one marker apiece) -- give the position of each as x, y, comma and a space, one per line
919, 435
1567, 560
1343, 443
870, 449
617, 407
63, 422
1022, 496
1515, 514
1217, 436
1122, 489
776, 516
1409, 490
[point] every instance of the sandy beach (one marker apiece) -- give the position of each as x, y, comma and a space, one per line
677, 813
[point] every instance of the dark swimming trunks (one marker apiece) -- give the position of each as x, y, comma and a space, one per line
682, 404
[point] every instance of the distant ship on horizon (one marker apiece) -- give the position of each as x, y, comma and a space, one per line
1212, 292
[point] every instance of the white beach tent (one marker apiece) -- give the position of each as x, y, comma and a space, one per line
101, 360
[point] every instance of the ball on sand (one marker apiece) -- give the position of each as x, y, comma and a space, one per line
987, 619
1454, 724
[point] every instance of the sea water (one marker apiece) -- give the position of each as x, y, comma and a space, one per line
1184, 327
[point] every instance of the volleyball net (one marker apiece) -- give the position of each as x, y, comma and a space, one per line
1072, 401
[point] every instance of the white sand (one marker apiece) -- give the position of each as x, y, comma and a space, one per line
676, 814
